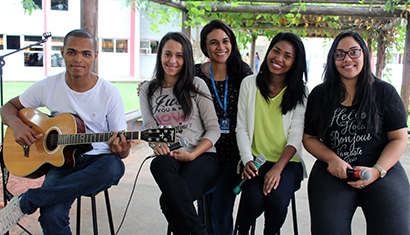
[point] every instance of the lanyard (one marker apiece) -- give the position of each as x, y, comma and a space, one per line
216, 92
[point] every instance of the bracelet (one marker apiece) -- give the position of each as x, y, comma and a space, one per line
381, 170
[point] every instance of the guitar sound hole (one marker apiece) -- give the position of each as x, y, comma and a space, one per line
52, 139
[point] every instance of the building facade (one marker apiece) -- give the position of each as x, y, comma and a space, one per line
127, 45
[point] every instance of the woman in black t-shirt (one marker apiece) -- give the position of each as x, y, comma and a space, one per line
355, 121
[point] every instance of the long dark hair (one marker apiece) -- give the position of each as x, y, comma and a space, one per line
237, 69
184, 89
334, 91
296, 91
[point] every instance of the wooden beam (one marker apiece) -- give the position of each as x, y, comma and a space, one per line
271, 26
396, 22
357, 11
315, 1
170, 3
334, 10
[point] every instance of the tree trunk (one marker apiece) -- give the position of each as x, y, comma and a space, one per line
252, 55
89, 22
185, 30
381, 54
405, 84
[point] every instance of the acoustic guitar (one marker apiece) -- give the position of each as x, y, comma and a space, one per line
64, 137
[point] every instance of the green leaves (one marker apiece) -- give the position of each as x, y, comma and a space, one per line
29, 6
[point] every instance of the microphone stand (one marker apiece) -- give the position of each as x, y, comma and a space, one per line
5, 173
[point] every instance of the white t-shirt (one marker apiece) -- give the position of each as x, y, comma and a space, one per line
100, 108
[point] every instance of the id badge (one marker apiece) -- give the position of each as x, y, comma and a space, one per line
224, 123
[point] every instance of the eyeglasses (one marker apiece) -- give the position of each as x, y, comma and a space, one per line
353, 54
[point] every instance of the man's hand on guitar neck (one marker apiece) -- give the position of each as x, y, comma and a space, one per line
119, 145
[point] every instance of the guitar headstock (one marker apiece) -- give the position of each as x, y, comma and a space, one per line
162, 134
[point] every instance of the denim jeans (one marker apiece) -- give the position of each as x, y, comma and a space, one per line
275, 205
181, 183
223, 199
61, 186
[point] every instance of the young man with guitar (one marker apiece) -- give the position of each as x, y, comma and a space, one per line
98, 103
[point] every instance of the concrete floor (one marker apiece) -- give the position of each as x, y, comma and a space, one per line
144, 216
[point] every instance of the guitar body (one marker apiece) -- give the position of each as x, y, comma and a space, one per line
43, 153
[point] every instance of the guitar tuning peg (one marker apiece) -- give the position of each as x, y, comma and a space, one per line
169, 126
161, 127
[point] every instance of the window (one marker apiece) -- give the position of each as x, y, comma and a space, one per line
148, 47
1, 42
57, 43
59, 5
108, 45
121, 45
39, 3
33, 56
56, 59
13, 42
154, 47
396, 58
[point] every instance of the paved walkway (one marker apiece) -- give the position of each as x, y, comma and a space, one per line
144, 216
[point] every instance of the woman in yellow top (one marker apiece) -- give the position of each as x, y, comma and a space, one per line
270, 122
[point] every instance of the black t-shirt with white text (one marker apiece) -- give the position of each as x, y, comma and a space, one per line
350, 141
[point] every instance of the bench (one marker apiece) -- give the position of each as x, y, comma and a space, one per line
134, 120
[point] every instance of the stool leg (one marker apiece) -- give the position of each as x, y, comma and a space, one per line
253, 227
109, 212
235, 226
78, 215
295, 219
94, 212
206, 213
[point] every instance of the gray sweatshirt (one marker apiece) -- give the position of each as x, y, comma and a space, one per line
166, 111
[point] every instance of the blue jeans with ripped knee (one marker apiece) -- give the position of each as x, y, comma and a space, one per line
61, 186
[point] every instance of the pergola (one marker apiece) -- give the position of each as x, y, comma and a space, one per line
365, 16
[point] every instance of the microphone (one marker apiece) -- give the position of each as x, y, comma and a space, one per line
47, 35
259, 161
357, 174
183, 142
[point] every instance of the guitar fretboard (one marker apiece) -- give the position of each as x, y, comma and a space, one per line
88, 138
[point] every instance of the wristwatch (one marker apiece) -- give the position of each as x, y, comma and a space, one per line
382, 171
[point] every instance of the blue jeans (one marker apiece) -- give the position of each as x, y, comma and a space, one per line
61, 186
181, 183
275, 205
223, 199
385, 203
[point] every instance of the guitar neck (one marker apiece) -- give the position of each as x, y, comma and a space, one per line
88, 138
